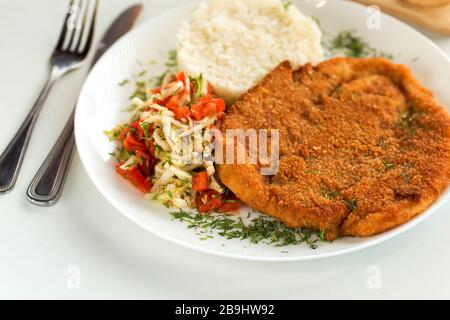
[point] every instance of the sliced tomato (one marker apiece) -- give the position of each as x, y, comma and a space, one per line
181, 113
123, 133
130, 144
139, 130
230, 206
220, 104
200, 181
173, 103
136, 178
210, 88
230, 203
151, 148
207, 107
209, 110
197, 112
181, 76
208, 201
143, 155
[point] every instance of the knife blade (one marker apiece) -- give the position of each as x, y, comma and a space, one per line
46, 186
117, 29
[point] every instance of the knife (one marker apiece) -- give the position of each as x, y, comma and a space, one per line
46, 186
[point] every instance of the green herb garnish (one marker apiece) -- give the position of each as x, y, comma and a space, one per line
317, 21
259, 230
351, 45
145, 128
124, 82
198, 83
122, 155
388, 165
328, 193
287, 4
408, 120
351, 204
139, 90
321, 235
171, 64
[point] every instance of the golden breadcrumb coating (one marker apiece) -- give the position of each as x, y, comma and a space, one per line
363, 146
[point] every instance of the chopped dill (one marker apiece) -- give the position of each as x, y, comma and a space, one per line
328, 193
351, 204
124, 82
131, 107
287, 4
258, 230
139, 90
142, 83
349, 44
172, 59
171, 65
388, 165
317, 21
321, 235
145, 128
408, 119
405, 176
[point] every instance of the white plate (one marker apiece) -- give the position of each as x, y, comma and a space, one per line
101, 103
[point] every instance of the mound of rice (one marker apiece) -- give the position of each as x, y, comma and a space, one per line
234, 43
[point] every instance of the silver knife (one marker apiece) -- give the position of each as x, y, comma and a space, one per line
46, 186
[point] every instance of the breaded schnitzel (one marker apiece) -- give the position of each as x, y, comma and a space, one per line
363, 146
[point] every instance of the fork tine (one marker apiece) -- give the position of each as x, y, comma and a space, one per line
91, 30
83, 25
64, 30
74, 31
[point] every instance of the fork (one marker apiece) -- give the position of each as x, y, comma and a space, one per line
66, 57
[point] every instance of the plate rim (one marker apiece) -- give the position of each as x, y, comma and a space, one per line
357, 247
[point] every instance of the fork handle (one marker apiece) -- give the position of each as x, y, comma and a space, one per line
11, 159
46, 186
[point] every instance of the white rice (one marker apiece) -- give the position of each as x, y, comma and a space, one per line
234, 43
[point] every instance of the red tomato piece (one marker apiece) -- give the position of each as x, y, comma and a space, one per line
209, 110
139, 130
181, 76
130, 144
228, 206
136, 178
210, 88
181, 112
200, 181
196, 112
208, 201
220, 104
172, 103
123, 133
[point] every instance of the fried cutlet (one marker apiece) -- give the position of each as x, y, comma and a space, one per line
363, 146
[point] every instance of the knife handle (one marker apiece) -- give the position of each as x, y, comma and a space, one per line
46, 186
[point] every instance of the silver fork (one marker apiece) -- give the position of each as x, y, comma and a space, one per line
69, 54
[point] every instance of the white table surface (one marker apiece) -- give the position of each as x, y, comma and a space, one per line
42, 249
